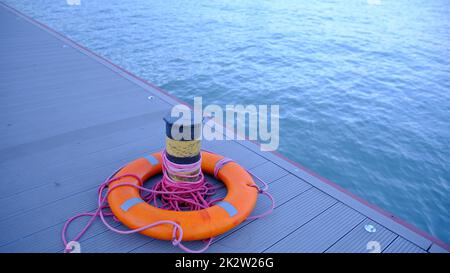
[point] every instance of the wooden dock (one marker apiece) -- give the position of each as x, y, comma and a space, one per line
70, 117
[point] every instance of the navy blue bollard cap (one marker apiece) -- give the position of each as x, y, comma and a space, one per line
181, 126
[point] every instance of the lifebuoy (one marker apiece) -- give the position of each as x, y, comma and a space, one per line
128, 206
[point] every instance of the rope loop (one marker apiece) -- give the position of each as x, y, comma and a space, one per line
176, 241
260, 191
220, 164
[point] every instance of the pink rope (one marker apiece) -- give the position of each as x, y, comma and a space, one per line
195, 194
262, 191
171, 194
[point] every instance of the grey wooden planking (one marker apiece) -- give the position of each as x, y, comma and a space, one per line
262, 234
356, 240
284, 190
321, 232
401, 245
269, 172
70, 118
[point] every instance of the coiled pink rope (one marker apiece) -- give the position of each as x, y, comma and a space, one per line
172, 195
195, 194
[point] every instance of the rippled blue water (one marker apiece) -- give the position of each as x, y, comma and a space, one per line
364, 89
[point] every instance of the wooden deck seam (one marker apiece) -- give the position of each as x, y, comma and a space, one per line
397, 236
340, 238
148, 242
293, 231
389, 229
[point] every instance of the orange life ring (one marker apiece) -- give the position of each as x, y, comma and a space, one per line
132, 211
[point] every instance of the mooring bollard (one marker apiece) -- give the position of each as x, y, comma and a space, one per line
183, 147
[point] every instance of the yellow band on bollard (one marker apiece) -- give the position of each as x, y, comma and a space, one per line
187, 148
